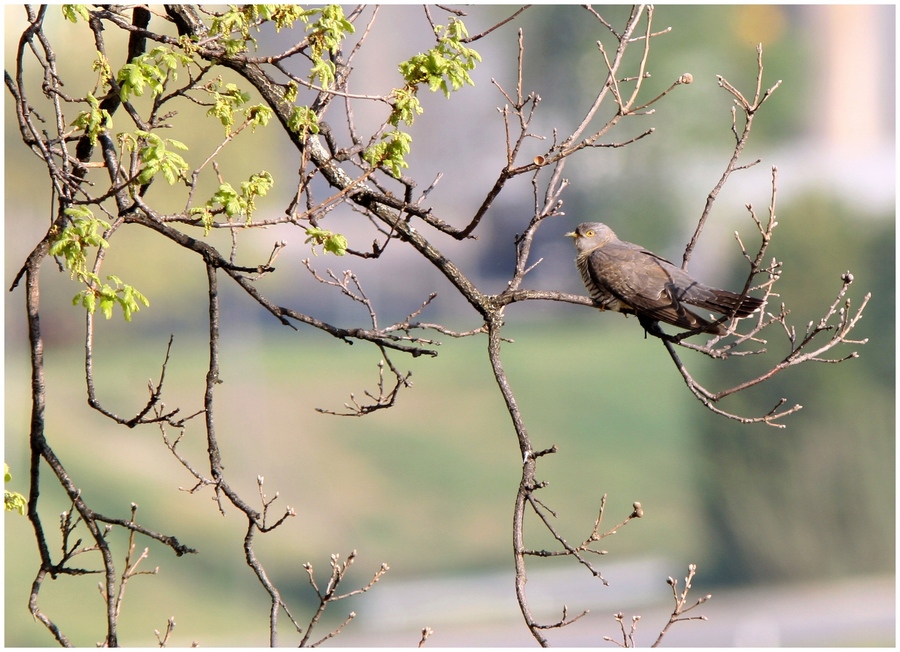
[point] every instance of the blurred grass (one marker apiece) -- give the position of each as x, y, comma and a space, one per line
426, 487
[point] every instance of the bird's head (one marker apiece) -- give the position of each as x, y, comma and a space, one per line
590, 235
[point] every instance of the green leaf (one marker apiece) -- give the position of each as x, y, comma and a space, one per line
290, 93
228, 198
101, 65
445, 66
206, 218
128, 298
336, 244
12, 500
323, 70
285, 15
156, 158
151, 69
87, 299
107, 303
15, 502
226, 103
333, 243
72, 242
234, 203
74, 12
259, 116
326, 35
258, 186
406, 106
390, 152
303, 120
233, 20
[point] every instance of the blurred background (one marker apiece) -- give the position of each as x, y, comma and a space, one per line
793, 531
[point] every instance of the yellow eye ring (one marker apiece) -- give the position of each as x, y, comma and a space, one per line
589, 234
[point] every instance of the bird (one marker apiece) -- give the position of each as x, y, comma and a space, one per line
627, 278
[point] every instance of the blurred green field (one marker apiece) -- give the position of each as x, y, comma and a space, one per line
426, 487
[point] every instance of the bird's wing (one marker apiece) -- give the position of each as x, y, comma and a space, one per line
685, 289
644, 281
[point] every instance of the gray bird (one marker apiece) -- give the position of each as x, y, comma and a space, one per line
627, 278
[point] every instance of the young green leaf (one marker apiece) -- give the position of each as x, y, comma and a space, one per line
333, 243
390, 152
13, 501
74, 12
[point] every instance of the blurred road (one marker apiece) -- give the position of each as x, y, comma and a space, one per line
481, 611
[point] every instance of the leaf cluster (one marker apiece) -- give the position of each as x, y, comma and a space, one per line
235, 203
155, 156
127, 297
152, 69
326, 35
303, 120
72, 243
333, 243
94, 121
226, 103
446, 67
73, 12
390, 151
239, 20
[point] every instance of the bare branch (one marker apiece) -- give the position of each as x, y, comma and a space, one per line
681, 606
749, 110
329, 594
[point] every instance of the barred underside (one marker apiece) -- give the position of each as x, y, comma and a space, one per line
603, 297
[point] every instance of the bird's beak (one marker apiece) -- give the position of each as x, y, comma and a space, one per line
571, 234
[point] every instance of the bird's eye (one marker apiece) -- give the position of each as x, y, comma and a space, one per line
589, 233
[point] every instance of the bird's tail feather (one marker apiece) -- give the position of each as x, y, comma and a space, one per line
725, 302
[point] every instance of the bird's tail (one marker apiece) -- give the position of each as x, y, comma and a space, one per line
724, 302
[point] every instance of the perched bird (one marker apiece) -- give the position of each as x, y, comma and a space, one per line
627, 278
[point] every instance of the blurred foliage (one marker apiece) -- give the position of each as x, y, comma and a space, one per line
652, 191
814, 499
732, 32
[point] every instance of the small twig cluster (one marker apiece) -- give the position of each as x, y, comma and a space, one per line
329, 594
681, 607
681, 603
426, 633
543, 512
838, 320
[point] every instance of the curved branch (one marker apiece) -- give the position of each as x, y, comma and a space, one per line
526, 484
749, 109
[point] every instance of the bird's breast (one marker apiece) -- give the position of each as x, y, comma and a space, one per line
596, 288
